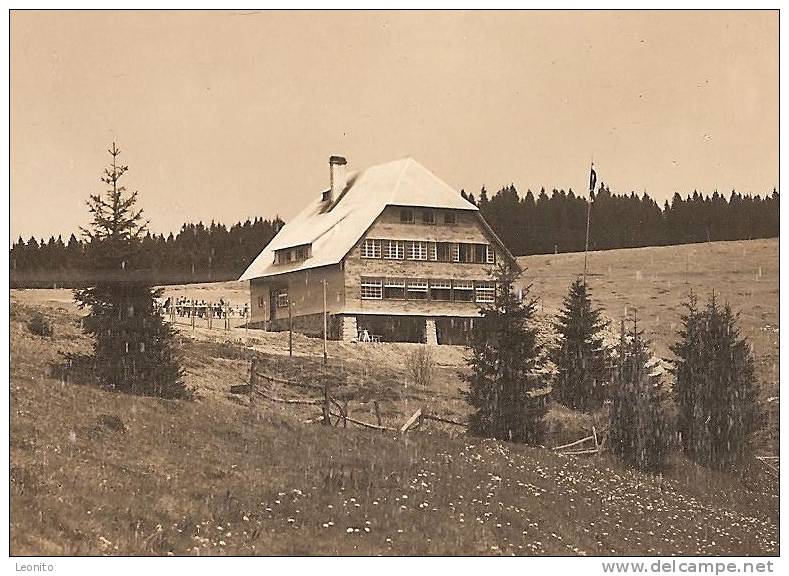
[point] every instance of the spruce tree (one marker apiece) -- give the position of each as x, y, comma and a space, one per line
688, 369
133, 348
581, 359
715, 385
507, 390
638, 433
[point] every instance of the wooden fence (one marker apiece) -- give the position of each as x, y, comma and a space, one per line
578, 448
331, 407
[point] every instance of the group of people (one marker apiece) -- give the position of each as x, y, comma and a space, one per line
186, 307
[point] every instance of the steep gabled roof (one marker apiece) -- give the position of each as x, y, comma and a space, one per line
333, 231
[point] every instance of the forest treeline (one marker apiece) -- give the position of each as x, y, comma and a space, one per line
526, 224
557, 223
197, 253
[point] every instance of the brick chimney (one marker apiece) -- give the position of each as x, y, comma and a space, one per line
337, 176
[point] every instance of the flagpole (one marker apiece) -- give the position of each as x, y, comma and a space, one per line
586, 247
592, 180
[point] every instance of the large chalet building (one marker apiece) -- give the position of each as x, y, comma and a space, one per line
390, 252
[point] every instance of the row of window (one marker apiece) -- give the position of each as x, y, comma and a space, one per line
435, 251
428, 289
426, 216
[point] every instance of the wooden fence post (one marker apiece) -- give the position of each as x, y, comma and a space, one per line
290, 328
326, 415
252, 380
377, 412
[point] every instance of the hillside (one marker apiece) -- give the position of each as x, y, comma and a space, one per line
96, 472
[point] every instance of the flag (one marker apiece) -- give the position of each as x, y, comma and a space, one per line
592, 179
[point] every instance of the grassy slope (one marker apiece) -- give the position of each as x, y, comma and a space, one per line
657, 280
216, 477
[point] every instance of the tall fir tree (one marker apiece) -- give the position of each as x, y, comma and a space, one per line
715, 385
582, 360
507, 391
638, 432
134, 350
687, 369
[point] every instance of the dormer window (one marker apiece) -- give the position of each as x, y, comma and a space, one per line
293, 254
407, 215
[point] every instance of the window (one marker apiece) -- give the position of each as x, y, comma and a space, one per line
442, 251
480, 252
428, 217
417, 251
394, 288
282, 298
454, 252
371, 249
490, 254
485, 292
463, 290
450, 218
407, 215
465, 253
371, 289
431, 251
416, 289
394, 249
293, 254
441, 290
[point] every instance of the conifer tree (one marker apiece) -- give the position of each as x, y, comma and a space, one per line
687, 369
715, 385
638, 433
507, 390
133, 348
583, 367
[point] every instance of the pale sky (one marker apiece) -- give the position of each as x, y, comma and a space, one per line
225, 116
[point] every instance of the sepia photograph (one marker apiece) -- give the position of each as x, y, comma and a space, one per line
404, 283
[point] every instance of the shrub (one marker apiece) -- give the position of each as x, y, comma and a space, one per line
420, 365
40, 326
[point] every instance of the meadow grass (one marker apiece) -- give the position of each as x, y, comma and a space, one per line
98, 472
